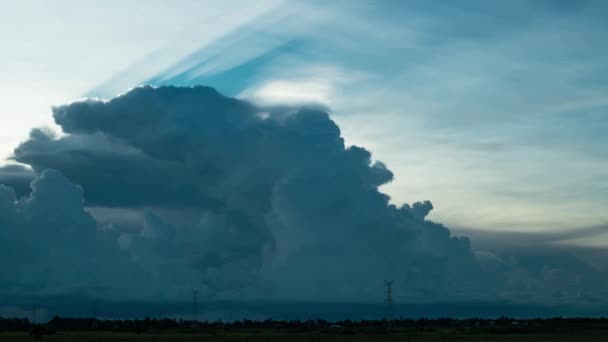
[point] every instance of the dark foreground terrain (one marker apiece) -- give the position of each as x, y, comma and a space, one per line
504, 329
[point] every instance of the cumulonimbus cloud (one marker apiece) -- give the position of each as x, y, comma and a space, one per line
243, 204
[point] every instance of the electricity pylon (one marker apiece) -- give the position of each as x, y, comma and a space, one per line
194, 306
389, 303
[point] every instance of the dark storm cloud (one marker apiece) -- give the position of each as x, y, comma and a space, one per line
282, 208
18, 176
194, 189
46, 233
50, 245
115, 173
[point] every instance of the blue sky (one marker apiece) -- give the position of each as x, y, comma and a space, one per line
495, 112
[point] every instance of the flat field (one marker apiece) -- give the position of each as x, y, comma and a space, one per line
316, 335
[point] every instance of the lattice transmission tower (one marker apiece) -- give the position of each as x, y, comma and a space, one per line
195, 306
389, 303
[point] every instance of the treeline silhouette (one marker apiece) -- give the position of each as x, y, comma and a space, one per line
503, 324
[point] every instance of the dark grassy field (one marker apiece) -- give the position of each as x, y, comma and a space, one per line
316, 335
556, 329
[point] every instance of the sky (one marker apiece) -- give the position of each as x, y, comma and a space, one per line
493, 112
